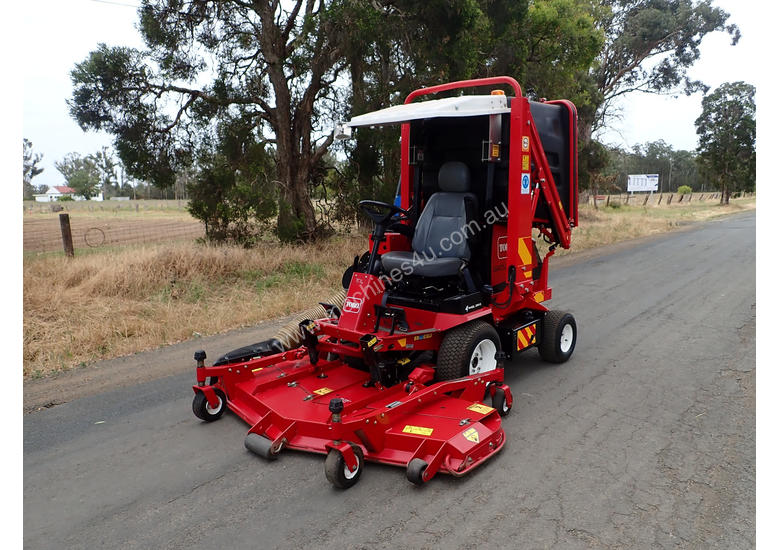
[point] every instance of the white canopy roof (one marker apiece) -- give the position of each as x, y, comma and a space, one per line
472, 105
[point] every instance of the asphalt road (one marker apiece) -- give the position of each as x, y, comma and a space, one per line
644, 439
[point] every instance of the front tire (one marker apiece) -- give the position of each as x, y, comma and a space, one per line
337, 471
559, 336
204, 411
499, 402
467, 349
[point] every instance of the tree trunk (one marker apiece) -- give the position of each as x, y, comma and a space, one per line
296, 219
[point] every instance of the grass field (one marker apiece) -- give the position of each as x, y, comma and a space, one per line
125, 297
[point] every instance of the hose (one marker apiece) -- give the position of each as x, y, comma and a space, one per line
290, 334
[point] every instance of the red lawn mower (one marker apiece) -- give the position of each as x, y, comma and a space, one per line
405, 366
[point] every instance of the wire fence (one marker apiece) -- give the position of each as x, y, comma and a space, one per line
653, 199
109, 227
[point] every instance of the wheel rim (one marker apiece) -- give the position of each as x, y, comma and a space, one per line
483, 358
567, 338
348, 474
216, 409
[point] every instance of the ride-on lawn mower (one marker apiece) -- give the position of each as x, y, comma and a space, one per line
398, 368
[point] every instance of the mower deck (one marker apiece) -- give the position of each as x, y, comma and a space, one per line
287, 401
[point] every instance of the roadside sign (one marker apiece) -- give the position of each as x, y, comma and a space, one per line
642, 182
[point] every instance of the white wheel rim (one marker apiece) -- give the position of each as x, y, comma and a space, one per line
483, 358
567, 338
349, 474
215, 410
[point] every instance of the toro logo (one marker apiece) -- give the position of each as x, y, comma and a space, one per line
501, 248
353, 305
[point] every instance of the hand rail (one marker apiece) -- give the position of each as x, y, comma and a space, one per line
467, 84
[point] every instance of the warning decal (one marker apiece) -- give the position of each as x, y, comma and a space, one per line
526, 143
323, 391
526, 162
480, 408
417, 430
472, 435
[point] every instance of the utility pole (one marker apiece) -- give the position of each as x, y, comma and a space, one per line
670, 173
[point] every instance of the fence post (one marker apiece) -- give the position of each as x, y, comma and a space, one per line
67, 237
660, 197
670, 199
647, 197
608, 196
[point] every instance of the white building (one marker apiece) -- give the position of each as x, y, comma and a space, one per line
54, 193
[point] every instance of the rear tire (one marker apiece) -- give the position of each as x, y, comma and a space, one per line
467, 349
559, 336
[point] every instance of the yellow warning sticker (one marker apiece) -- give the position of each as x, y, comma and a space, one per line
402, 342
417, 430
480, 408
522, 341
526, 162
323, 391
495, 151
539, 296
523, 252
472, 435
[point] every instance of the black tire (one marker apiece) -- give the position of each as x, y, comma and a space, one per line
336, 468
554, 348
261, 446
499, 402
201, 408
458, 345
415, 470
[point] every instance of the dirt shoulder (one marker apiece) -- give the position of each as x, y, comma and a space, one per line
62, 387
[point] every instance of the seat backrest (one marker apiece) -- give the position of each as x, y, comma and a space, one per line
442, 229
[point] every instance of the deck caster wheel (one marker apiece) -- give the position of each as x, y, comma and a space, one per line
337, 471
499, 402
261, 446
559, 335
415, 470
204, 411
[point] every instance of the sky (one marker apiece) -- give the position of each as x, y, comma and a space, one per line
68, 30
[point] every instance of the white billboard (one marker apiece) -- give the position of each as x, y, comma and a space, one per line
642, 182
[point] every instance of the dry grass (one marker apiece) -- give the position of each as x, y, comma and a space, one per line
106, 305
618, 222
117, 302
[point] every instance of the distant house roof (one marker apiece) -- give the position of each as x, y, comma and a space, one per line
64, 189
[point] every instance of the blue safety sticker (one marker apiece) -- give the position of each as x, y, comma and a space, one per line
525, 184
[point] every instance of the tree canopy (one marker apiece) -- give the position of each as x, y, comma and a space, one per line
727, 137
253, 89
81, 174
30, 168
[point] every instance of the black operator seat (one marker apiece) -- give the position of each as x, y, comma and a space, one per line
442, 233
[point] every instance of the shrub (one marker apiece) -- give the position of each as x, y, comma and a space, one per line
684, 190
64, 198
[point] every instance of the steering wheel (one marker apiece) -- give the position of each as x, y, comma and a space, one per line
381, 212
